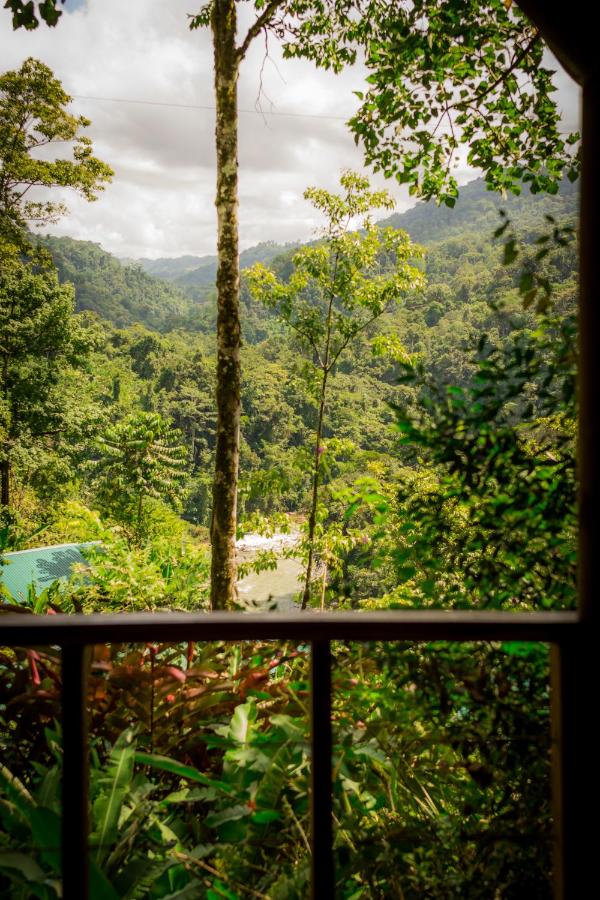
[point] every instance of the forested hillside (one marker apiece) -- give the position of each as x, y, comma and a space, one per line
121, 294
164, 362
164, 294
476, 210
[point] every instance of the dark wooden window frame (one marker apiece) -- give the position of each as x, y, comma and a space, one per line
569, 33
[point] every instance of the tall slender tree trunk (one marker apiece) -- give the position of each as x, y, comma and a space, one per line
312, 518
223, 577
5, 479
5, 463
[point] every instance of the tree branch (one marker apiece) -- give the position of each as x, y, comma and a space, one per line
307, 337
515, 62
263, 20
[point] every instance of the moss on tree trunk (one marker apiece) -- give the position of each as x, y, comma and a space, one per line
223, 591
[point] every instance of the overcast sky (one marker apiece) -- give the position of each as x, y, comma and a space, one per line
160, 202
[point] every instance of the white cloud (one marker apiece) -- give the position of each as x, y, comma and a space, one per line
161, 200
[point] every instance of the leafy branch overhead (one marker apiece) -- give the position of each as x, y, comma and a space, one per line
28, 14
449, 81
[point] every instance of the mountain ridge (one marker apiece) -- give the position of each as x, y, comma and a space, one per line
174, 294
424, 222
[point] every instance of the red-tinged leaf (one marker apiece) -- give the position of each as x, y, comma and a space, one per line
177, 674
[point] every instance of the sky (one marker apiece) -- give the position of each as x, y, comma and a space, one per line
161, 200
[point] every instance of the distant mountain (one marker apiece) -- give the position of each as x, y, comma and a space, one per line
122, 294
197, 273
170, 269
169, 293
477, 209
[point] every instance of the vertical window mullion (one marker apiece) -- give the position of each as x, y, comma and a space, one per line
75, 774
322, 864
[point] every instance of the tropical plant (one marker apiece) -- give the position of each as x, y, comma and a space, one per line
141, 457
441, 771
137, 841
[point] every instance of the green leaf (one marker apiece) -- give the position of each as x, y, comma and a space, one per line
176, 768
264, 816
220, 891
100, 886
231, 814
295, 729
16, 791
192, 890
114, 787
26, 865
242, 722
510, 252
45, 827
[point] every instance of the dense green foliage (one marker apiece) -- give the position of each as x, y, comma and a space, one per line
444, 794
447, 476
44, 347
425, 430
124, 295
446, 470
468, 292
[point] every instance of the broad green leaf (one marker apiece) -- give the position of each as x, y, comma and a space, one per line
176, 768
25, 864
264, 816
100, 886
114, 787
45, 827
232, 814
242, 721
192, 891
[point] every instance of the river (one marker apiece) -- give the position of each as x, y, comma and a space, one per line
275, 589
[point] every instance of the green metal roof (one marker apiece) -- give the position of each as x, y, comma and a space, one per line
40, 567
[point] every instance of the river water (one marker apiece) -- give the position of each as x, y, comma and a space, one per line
276, 589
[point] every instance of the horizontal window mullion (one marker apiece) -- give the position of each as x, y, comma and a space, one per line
29, 630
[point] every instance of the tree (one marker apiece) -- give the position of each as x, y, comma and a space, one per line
141, 457
40, 338
337, 289
221, 17
445, 74
33, 115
